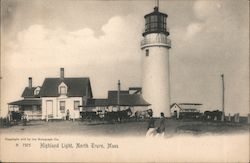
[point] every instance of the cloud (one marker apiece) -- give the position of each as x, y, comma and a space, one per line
37, 44
208, 13
204, 9
193, 29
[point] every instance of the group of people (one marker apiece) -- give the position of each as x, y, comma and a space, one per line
156, 130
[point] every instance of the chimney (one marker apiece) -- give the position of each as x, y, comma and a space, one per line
119, 86
30, 82
156, 9
62, 73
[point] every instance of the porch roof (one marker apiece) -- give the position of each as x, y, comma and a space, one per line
27, 102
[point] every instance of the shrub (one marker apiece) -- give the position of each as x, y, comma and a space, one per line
4, 122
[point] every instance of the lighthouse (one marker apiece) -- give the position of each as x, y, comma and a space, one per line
155, 47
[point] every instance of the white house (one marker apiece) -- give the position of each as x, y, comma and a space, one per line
62, 96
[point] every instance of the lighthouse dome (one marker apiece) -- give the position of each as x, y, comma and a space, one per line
155, 22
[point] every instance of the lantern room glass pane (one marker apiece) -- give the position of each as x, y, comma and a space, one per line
155, 23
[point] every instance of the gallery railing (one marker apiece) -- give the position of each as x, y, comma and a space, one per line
163, 41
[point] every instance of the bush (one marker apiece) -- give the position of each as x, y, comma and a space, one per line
4, 122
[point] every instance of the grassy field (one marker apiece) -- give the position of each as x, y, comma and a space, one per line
126, 128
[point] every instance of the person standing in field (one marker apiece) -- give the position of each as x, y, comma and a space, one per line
24, 117
161, 129
67, 114
151, 126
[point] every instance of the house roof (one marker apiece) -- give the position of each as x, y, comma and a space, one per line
27, 102
189, 104
173, 105
136, 89
183, 106
97, 102
77, 87
113, 94
128, 100
29, 92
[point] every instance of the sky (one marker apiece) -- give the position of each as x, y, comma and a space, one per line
101, 40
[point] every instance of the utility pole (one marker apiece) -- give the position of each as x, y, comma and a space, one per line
223, 98
118, 95
157, 3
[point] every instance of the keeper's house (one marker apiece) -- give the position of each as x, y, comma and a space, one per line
61, 97
55, 99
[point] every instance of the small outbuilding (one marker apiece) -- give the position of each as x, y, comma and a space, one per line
185, 110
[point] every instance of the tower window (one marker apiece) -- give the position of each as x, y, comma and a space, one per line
147, 52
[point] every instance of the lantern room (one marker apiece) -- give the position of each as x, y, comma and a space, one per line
156, 22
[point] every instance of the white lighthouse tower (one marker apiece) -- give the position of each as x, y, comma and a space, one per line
155, 63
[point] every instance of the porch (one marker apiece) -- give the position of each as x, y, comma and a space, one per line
30, 107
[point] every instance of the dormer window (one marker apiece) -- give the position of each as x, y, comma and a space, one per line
62, 89
37, 90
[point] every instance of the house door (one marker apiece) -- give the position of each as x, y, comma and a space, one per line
49, 108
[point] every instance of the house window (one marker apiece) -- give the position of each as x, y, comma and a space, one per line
147, 52
62, 106
76, 104
37, 92
62, 90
